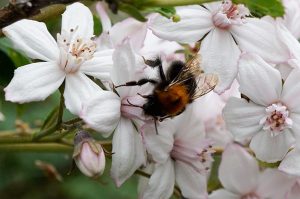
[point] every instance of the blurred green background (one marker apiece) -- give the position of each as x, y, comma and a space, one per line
20, 178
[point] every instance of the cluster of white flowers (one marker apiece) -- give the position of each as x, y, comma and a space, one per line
255, 104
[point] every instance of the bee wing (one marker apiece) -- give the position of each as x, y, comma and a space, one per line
205, 84
191, 67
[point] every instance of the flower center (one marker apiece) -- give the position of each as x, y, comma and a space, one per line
230, 14
74, 50
277, 119
250, 196
198, 155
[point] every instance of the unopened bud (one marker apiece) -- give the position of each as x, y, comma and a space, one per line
176, 18
88, 155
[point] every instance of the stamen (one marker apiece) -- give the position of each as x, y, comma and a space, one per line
276, 119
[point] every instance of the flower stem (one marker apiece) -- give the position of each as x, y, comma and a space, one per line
168, 3
36, 147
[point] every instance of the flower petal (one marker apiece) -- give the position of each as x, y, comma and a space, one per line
33, 38
271, 149
159, 145
242, 117
130, 28
128, 151
99, 66
273, 184
259, 36
223, 194
161, 183
220, 55
237, 162
258, 80
195, 22
291, 163
102, 112
34, 82
105, 21
78, 17
78, 89
191, 183
295, 117
291, 91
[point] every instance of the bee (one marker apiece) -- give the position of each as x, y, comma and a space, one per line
173, 91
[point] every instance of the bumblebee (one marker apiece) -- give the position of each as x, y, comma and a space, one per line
173, 91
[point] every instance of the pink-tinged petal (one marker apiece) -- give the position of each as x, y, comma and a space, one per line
33, 38
104, 41
34, 82
78, 89
124, 68
159, 145
259, 36
285, 69
99, 66
161, 183
270, 148
223, 194
79, 18
220, 55
143, 181
288, 41
295, 117
258, 80
292, 16
273, 184
130, 28
242, 118
191, 183
102, 112
291, 163
195, 22
291, 91
193, 125
294, 193
237, 162
105, 21
128, 151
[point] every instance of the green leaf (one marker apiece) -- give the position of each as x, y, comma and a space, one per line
260, 8
132, 11
213, 181
51, 118
18, 58
164, 11
97, 25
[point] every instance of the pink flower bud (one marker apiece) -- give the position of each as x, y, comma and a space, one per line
88, 155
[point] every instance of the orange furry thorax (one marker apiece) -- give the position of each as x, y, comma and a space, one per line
174, 99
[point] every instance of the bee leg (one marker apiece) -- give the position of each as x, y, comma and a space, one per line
165, 117
156, 63
130, 104
146, 96
138, 83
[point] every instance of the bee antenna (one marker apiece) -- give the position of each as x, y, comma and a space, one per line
155, 124
130, 104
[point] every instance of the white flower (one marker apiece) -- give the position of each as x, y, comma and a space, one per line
226, 31
241, 178
110, 112
71, 58
272, 117
181, 154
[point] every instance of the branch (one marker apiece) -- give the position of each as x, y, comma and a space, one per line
16, 11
